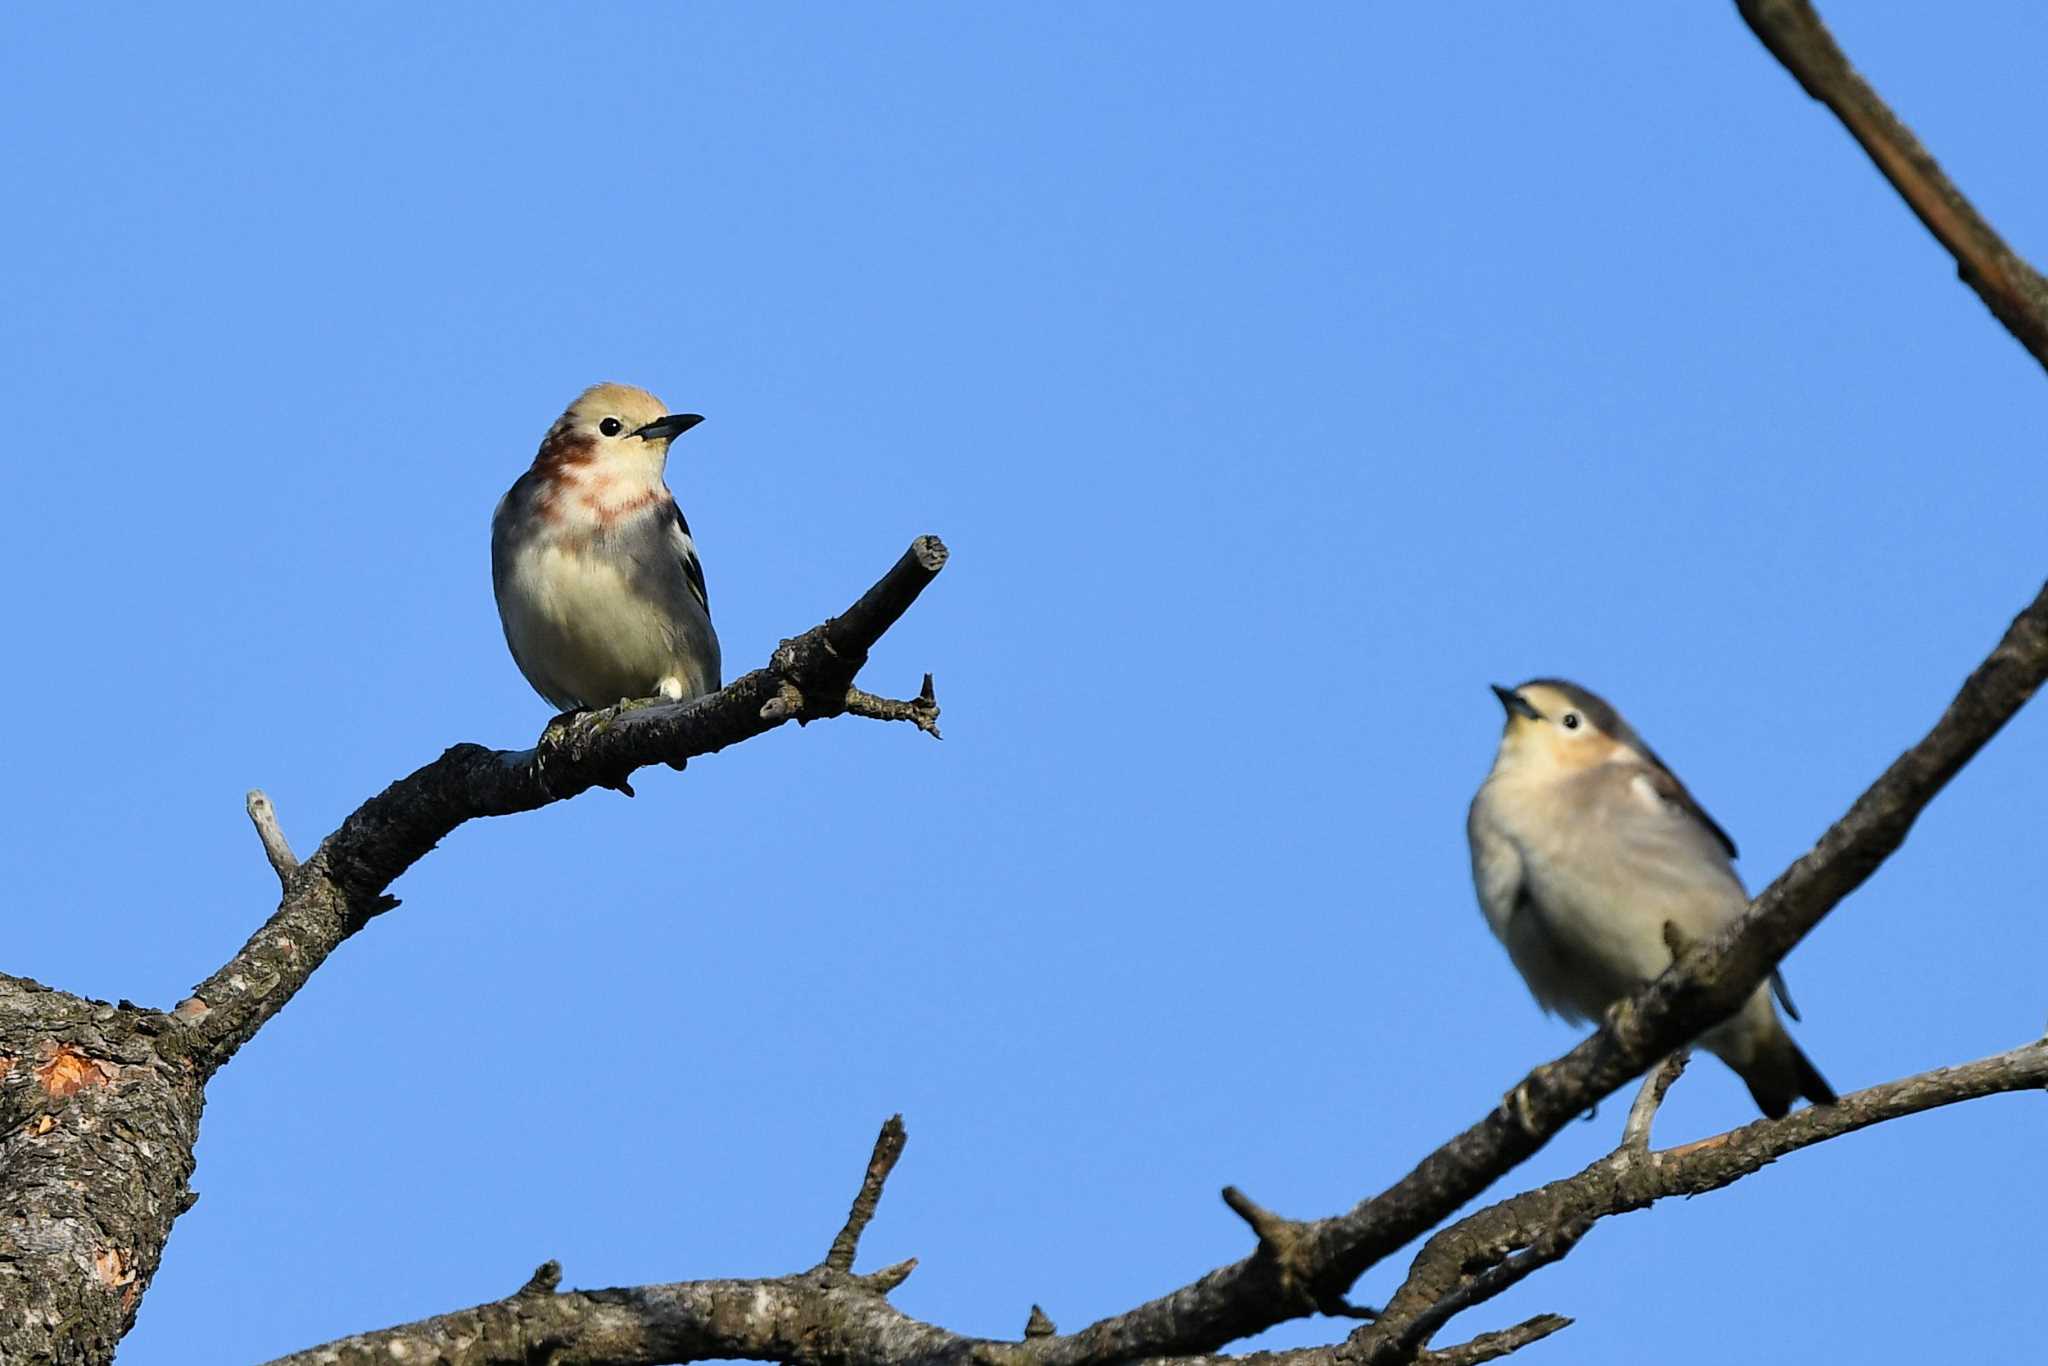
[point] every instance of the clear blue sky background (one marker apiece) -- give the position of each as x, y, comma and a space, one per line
1279, 379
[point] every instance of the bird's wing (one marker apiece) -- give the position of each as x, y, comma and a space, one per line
1500, 877
1496, 867
686, 551
1665, 785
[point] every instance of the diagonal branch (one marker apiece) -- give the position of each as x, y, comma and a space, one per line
342, 886
1707, 983
2015, 292
1479, 1256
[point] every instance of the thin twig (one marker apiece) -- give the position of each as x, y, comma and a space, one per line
921, 711
1635, 1134
1495, 1345
888, 1147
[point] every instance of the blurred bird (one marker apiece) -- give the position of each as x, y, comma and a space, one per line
597, 579
1584, 848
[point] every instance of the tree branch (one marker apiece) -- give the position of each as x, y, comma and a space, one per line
1707, 983
2015, 292
342, 886
1482, 1254
828, 1317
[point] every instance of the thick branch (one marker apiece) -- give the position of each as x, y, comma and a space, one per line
2015, 292
813, 1317
342, 886
825, 1315
1706, 984
1463, 1265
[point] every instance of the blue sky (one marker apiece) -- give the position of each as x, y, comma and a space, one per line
1279, 380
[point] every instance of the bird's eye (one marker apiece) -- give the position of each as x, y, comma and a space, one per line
1570, 720
611, 426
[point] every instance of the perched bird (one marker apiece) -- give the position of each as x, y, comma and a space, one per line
1584, 847
597, 579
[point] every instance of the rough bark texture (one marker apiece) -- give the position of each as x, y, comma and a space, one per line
99, 1104
99, 1109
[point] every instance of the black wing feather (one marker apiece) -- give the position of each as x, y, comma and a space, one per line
692, 570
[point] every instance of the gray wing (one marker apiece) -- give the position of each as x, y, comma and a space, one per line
1498, 876
665, 570
693, 568
1671, 790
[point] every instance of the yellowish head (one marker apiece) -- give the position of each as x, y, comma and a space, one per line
615, 420
1558, 725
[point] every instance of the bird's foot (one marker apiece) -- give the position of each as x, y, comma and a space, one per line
1520, 1107
1618, 1019
557, 730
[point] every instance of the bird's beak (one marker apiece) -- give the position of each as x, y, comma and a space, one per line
668, 428
1515, 703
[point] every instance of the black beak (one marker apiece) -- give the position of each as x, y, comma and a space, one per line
1514, 702
668, 428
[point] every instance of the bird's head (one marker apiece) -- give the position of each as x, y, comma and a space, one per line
614, 424
1555, 725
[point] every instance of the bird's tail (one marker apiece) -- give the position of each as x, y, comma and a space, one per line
1777, 1074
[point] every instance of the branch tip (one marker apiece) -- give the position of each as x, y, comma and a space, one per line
544, 1280
1495, 1345
263, 815
1272, 1229
888, 1147
889, 1277
921, 711
931, 553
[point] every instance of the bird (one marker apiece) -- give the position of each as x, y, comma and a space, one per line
1594, 866
596, 574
